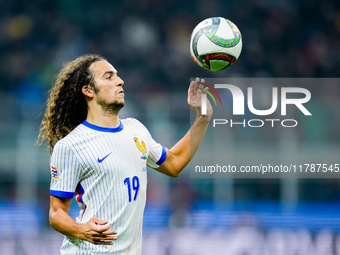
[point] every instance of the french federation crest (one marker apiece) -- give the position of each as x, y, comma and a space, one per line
141, 147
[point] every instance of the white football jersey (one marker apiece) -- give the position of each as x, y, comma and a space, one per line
105, 168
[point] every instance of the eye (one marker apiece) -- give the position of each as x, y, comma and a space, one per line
108, 77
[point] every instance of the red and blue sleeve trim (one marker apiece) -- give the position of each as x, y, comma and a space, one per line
58, 193
162, 158
80, 192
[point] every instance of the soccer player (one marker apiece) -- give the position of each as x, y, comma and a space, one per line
102, 159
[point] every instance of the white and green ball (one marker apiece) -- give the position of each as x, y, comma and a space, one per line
215, 43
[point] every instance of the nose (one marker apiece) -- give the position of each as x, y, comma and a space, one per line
120, 81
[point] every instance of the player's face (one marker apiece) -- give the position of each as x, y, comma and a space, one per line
110, 94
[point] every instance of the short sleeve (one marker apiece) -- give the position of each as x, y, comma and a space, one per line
157, 154
65, 171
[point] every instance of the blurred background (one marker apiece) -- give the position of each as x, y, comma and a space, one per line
148, 43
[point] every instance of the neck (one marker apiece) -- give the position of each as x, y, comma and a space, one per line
99, 117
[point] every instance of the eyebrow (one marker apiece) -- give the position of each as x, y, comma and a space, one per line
109, 72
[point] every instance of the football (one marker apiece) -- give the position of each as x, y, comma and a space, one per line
215, 43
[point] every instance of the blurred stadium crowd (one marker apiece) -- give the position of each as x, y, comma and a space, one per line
148, 42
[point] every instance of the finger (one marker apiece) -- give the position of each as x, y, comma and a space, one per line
103, 237
202, 83
98, 228
111, 232
197, 81
201, 88
103, 242
191, 91
101, 229
191, 88
99, 221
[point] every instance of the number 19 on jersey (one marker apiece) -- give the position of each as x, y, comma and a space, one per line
132, 185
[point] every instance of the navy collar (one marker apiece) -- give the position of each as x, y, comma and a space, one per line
104, 129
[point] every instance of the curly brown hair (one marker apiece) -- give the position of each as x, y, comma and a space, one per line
66, 106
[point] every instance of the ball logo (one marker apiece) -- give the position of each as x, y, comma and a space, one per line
223, 56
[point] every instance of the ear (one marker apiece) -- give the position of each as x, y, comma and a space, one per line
87, 91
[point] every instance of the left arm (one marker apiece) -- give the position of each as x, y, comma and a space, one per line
179, 155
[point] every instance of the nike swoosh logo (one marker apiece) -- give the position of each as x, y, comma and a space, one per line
100, 160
